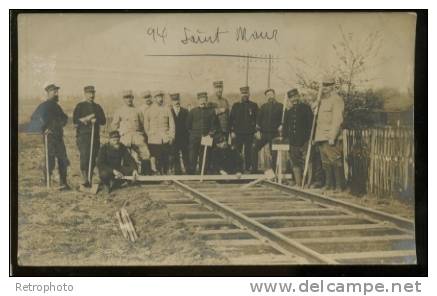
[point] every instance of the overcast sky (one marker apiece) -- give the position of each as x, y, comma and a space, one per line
110, 50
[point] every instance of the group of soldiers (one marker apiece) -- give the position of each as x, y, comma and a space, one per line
157, 139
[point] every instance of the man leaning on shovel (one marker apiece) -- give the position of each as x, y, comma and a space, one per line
88, 116
50, 119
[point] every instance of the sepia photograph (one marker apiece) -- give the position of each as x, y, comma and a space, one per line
216, 139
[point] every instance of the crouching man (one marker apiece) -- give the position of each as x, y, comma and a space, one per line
229, 160
113, 162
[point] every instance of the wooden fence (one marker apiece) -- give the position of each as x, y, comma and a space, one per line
380, 161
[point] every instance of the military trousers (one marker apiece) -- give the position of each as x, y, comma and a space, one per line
83, 142
107, 175
331, 154
244, 144
178, 150
56, 152
196, 154
266, 139
161, 152
298, 155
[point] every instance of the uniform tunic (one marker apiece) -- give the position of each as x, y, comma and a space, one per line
160, 129
180, 144
297, 128
159, 124
268, 121
329, 121
221, 107
129, 121
50, 116
201, 121
330, 118
298, 121
83, 131
111, 158
243, 124
269, 117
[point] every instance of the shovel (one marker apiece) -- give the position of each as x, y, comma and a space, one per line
94, 187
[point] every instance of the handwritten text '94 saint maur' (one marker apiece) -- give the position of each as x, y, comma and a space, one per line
198, 36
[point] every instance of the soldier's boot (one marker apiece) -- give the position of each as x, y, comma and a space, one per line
329, 178
339, 178
153, 166
297, 172
85, 182
145, 167
63, 179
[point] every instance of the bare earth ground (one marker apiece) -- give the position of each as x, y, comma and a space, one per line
73, 228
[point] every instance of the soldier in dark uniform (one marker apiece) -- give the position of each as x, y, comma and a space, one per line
221, 108
229, 160
298, 121
243, 126
201, 121
85, 115
268, 123
114, 161
51, 120
180, 145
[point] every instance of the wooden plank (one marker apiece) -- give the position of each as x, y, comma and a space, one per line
208, 221
234, 242
263, 260
304, 218
198, 177
397, 220
220, 231
195, 215
332, 227
373, 254
355, 239
298, 212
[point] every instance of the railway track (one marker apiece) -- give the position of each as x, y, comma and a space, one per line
272, 224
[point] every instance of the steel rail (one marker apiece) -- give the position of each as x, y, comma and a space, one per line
401, 222
270, 234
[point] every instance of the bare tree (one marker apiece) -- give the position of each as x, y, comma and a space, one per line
356, 56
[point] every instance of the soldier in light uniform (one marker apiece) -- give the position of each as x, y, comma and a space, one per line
50, 119
243, 126
328, 135
298, 121
201, 121
268, 124
86, 114
160, 129
129, 121
148, 101
180, 145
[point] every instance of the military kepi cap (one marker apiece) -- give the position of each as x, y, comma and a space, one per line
114, 134
328, 80
51, 87
128, 93
202, 94
175, 96
146, 94
292, 92
244, 90
218, 83
269, 89
89, 88
158, 93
